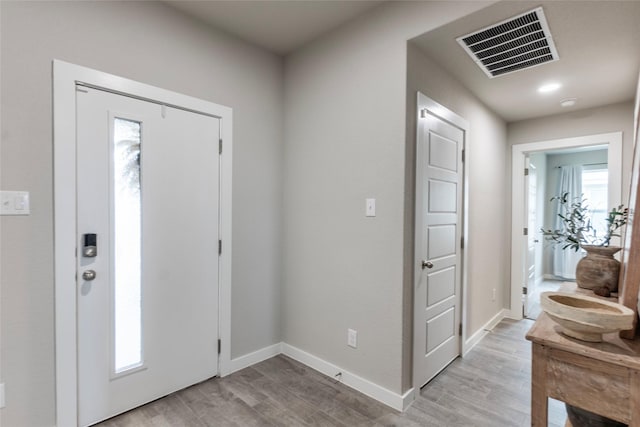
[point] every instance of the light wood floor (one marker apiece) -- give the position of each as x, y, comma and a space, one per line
489, 387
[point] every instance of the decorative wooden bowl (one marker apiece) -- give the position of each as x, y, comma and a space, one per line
586, 318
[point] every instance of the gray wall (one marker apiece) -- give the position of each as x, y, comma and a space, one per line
609, 118
152, 43
345, 141
486, 158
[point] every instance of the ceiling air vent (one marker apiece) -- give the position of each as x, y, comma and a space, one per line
518, 43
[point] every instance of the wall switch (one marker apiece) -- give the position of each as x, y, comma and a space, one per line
493, 295
2, 402
371, 207
352, 338
14, 203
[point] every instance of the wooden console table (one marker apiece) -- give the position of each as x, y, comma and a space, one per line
603, 378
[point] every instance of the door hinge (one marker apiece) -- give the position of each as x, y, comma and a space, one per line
219, 346
462, 243
524, 290
526, 172
463, 155
525, 231
220, 146
460, 329
219, 247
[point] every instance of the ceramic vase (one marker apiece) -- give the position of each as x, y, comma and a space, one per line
599, 268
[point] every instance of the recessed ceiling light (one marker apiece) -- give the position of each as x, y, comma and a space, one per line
549, 87
569, 102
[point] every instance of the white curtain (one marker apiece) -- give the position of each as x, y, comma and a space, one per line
564, 261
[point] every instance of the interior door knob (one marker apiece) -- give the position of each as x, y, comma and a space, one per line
88, 275
426, 264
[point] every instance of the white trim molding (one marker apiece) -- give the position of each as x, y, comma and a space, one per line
399, 402
65, 78
483, 331
613, 141
250, 359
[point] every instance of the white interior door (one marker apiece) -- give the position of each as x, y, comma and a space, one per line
439, 186
148, 186
531, 186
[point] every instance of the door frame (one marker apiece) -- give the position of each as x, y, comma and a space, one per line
65, 77
527, 209
612, 140
424, 102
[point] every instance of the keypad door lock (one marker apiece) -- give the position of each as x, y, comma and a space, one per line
90, 245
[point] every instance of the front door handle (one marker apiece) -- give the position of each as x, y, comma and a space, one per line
426, 264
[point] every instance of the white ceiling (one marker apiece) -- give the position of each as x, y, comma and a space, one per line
599, 47
278, 26
598, 43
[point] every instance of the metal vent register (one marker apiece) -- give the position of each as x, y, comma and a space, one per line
518, 43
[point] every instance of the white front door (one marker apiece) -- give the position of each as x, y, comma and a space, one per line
147, 200
439, 187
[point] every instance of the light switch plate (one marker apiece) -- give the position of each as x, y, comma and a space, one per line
370, 207
352, 338
14, 203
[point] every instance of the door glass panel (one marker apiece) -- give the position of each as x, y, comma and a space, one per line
127, 316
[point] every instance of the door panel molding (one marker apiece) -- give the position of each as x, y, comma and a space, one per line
65, 78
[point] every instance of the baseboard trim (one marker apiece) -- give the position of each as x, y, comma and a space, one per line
381, 394
483, 331
408, 398
508, 314
558, 278
252, 358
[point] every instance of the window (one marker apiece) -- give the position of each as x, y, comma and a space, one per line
594, 189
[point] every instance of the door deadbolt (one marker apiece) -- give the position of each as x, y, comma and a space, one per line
427, 264
88, 275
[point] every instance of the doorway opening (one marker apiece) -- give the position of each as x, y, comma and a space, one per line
598, 178
581, 173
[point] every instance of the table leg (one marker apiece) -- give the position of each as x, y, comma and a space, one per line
539, 399
634, 398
